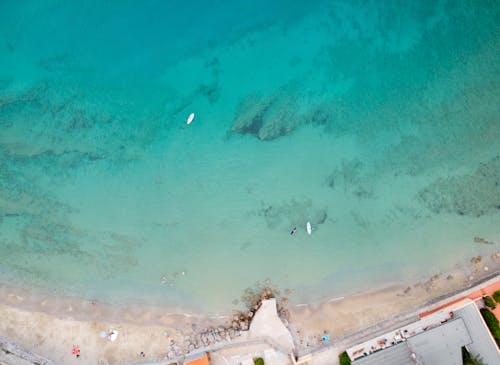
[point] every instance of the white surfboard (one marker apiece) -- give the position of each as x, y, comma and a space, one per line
309, 228
190, 118
113, 335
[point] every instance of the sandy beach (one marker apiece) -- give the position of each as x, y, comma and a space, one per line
341, 317
50, 325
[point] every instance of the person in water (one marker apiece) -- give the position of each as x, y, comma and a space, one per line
294, 229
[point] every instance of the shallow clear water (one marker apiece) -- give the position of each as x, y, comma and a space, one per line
379, 124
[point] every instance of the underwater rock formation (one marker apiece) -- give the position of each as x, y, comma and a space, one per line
268, 117
62, 121
280, 119
40, 222
469, 195
210, 91
350, 177
482, 240
250, 115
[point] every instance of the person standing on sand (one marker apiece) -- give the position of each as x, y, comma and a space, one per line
76, 351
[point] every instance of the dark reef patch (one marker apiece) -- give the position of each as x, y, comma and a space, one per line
351, 177
210, 91
268, 117
472, 195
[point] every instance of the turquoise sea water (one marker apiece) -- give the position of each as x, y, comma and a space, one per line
378, 122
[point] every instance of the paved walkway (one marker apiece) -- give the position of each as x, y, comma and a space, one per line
12, 353
266, 323
245, 354
267, 338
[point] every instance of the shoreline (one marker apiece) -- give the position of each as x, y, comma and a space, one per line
40, 299
49, 325
344, 317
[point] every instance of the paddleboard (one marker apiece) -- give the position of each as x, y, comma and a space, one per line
309, 228
190, 118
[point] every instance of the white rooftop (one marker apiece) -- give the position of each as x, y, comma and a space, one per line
398, 335
395, 355
483, 343
434, 339
440, 345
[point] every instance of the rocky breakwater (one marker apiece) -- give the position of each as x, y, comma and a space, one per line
233, 330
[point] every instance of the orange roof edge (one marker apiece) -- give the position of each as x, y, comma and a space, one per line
478, 294
200, 361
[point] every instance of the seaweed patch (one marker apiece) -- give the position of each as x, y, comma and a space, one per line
292, 212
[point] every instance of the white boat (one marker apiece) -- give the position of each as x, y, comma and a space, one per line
309, 228
190, 118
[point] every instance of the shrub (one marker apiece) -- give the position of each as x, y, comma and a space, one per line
467, 359
259, 361
489, 302
496, 296
478, 360
344, 359
492, 323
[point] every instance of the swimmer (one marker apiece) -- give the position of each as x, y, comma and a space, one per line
164, 279
294, 229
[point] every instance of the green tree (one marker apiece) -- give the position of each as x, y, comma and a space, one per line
344, 359
469, 360
489, 302
492, 323
496, 296
259, 361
